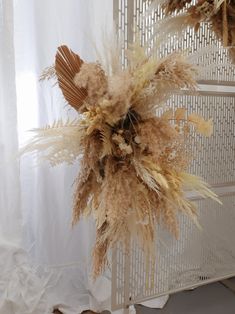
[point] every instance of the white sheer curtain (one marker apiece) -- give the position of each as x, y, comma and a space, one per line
44, 264
9, 183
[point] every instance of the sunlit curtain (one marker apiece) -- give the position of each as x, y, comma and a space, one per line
44, 263
9, 182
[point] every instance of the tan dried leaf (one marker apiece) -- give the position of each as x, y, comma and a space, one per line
67, 65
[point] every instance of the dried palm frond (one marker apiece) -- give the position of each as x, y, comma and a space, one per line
133, 168
67, 65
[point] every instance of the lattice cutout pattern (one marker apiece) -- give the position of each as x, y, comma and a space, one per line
198, 256
118, 281
177, 266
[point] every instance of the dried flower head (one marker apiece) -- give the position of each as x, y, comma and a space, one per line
92, 78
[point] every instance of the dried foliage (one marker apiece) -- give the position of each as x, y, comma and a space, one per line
133, 169
67, 64
219, 13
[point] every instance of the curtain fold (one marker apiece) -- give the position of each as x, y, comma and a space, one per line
10, 216
45, 264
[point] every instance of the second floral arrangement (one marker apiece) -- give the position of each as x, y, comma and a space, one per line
220, 14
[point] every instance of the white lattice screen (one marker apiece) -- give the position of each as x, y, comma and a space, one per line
198, 257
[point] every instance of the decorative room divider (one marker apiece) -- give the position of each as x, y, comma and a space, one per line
199, 256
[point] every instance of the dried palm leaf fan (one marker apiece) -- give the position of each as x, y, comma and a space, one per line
67, 64
133, 171
219, 13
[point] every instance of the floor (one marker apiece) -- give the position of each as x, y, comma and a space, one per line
211, 299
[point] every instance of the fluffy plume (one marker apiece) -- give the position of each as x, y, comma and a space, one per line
133, 162
60, 142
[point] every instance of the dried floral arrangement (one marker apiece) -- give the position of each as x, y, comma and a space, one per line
220, 14
133, 150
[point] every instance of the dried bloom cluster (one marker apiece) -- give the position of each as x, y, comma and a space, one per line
219, 13
133, 161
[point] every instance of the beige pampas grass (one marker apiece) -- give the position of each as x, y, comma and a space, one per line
133, 162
